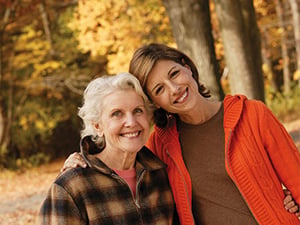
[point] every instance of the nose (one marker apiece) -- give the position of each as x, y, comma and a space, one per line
130, 120
173, 87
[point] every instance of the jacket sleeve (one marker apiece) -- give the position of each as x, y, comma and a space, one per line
59, 208
150, 142
155, 145
283, 153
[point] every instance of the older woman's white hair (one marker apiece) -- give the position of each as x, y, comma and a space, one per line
93, 96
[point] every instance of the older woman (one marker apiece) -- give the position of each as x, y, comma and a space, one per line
124, 183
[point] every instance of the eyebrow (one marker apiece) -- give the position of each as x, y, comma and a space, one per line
170, 70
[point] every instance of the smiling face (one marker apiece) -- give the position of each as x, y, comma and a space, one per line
172, 87
124, 122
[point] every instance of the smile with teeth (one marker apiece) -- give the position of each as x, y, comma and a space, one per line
182, 97
131, 135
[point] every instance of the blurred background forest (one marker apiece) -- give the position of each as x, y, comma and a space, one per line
50, 50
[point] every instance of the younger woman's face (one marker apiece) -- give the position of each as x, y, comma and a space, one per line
171, 86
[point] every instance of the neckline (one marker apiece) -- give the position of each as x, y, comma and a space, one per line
182, 124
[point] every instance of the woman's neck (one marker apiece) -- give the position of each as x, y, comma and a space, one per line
205, 110
124, 161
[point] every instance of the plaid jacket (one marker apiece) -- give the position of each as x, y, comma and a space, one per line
97, 195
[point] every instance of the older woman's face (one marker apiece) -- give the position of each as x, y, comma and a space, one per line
124, 121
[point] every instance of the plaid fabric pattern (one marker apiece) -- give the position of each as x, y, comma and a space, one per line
97, 195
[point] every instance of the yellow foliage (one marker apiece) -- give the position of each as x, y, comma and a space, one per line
51, 124
39, 124
116, 28
280, 30
261, 7
23, 122
38, 121
50, 66
296, 75
31, 46
54, 94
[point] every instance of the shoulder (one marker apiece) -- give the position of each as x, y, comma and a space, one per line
73, 176
149, 160
239, 106
168, 131
240, 101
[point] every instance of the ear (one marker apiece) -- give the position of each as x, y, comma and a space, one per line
185, 64
98, 129
156, 106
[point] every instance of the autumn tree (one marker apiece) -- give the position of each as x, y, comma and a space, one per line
284, 48
192, 30
295, 10
6, 96
41, 78
116, 28
242, 47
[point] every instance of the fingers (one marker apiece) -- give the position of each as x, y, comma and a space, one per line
287, 192
74, 160
291, 207
289, 203
287, 199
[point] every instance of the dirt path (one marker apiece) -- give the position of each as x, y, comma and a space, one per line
21, 194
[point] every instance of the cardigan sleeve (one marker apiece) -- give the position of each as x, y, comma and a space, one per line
150, 142
155, 145
59, 208
283, 153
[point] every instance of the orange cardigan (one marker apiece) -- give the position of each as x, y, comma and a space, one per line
260, 156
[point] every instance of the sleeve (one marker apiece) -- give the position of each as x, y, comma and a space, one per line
155, 145
283, 153
150, 143
59, 208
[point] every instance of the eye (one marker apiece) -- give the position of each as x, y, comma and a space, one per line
158, 90
174, 73
138, 110
116, 113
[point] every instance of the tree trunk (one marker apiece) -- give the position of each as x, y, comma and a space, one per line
242, 47
46, 25
284, 49
5, 111
4, 23
6, 120
296, 22
190, 20
267, 62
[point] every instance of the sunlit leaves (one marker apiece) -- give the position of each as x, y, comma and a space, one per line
296, 75
36, 124
116, 28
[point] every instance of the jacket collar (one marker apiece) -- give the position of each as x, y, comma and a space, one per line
233, 107
169, 131
145, 158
